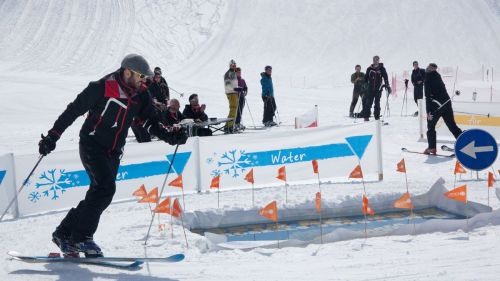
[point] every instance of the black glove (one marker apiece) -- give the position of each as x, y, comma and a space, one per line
47, 144
389, 90
180, 137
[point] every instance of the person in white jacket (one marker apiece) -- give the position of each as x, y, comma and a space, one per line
231, 86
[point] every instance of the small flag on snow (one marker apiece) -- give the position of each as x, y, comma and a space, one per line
177, 182
491, 179
215, 182
282, 173
459, 194
140, 192
459, 169
249, 177
270, 211
357, 173
366, 207
152, 197
163, 207
315, 166
401, 167
318, 202
404, 202
176, 208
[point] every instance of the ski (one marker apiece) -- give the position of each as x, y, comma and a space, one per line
438, 155
444, 147
129, 263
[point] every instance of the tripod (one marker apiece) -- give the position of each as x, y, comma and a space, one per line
405, 99
387, 109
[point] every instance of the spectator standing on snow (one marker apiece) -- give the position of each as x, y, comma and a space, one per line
158, 90
375, 73
417, 79
111, 103
438, 104
230, 86
268, 96
358, 79
242, 93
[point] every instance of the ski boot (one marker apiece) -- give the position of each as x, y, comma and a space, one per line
88, 247
63, 242
430, 151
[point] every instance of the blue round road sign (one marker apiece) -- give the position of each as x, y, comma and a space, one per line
476, 149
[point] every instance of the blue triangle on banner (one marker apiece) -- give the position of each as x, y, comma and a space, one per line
180, 162
359, 144
2, 175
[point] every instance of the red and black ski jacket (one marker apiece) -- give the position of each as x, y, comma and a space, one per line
111, 107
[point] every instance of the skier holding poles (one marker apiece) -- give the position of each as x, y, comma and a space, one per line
111, 104
438, 104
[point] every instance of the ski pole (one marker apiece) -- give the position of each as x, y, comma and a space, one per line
22, 186
250, 112
161, 191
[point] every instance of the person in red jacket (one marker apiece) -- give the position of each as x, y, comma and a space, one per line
111, 104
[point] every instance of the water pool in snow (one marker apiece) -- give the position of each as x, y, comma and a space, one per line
303, 229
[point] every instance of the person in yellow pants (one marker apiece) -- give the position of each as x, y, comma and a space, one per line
230, 86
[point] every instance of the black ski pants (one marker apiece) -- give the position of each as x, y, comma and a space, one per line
447, 113
241, 105
418, 92
372, 97
81, 222
356, 94
269, 108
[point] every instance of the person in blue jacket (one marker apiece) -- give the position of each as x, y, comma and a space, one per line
268, 97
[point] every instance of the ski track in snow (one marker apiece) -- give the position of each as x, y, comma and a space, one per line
50, 50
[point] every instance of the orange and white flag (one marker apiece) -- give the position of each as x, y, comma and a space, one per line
367, 210
282, 173
318, 202
177, 182
152, 197
315, 166
491, 179
176, 208
404, 202
401, 167
163, 207
459, 169
270, 211
459, 194
357, 173
215, 182
249, 177
140, 192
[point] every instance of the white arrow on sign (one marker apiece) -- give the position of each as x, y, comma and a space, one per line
471, 149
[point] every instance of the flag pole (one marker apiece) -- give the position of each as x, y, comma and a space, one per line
218, 194
184, 229
286, 191
277, 234
320, 224
253, 195
172, 224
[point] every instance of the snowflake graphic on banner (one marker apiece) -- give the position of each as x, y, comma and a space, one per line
53, 183
232, 163
34, 196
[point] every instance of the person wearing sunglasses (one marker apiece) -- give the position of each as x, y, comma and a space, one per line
111, 103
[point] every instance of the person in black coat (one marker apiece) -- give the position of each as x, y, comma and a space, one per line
438, 104
374, 75
417, 79
111, 104
195, 111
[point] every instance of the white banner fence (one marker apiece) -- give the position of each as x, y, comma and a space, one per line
60, 181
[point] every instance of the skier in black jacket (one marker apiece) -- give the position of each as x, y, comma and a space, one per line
373, 76
111, 104
417, 79
438, 104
